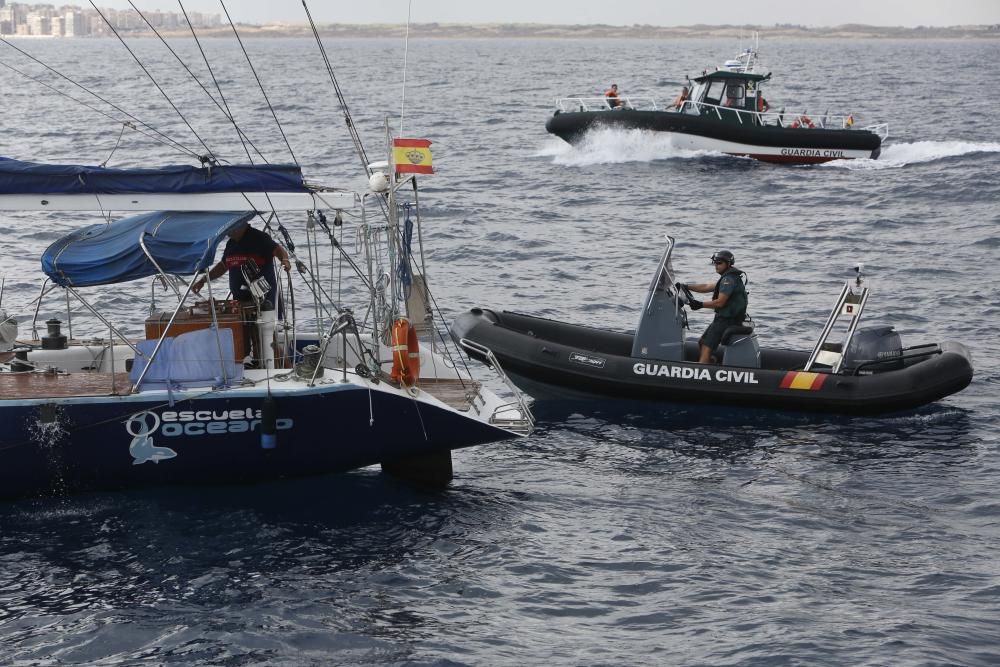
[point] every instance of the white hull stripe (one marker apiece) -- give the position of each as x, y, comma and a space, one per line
695, 142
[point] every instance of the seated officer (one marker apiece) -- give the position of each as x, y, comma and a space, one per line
729, 301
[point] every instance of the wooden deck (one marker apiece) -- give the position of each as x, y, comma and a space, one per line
451, 391
51, 385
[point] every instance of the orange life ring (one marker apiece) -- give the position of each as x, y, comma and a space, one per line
405, 353
803, 121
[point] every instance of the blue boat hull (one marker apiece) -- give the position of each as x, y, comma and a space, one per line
66, 445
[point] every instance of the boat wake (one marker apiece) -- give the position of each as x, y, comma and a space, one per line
616, 146
608, 146
900, 155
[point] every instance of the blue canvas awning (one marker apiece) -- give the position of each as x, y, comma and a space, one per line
17, 177
179, 242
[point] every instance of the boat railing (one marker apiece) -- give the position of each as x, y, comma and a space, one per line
525, 424
784, 118
627, 103
850, 304
880, 129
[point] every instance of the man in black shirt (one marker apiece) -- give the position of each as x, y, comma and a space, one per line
246, 243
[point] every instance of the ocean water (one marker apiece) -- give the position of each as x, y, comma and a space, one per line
625, 535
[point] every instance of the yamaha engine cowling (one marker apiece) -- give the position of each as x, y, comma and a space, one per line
874, 350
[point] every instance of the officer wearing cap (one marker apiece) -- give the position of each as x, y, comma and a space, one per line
729, 301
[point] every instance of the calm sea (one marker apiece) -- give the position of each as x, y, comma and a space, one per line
668, 536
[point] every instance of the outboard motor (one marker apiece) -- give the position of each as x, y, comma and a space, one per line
874, 344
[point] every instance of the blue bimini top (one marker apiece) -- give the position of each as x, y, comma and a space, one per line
17, 178
181, 243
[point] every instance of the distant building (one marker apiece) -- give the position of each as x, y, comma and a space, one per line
74, 24
39, 24
9, 20
20, 18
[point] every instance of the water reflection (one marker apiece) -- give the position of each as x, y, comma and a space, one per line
705, 431
200, 545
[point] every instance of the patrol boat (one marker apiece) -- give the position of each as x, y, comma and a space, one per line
868, 371
726, 112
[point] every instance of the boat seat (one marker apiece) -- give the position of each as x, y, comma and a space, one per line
735, 331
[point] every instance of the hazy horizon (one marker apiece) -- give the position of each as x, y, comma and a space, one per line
625, 12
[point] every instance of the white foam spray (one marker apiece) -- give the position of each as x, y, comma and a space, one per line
899, 155
616, 146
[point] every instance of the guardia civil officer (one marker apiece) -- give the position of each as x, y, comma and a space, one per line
729, 301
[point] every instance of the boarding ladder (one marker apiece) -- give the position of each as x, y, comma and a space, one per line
504, 415
849, 307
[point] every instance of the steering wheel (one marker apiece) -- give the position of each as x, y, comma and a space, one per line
685, 295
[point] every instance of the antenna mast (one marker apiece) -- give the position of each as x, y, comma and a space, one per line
406, 49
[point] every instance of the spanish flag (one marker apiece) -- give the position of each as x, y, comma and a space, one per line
412, 156
803, 380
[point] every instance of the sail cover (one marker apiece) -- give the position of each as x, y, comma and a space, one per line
178, 242
17, 177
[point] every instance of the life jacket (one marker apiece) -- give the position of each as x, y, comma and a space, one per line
736, 305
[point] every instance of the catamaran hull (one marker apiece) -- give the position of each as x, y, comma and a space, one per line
552, 360
55, 446
688, 132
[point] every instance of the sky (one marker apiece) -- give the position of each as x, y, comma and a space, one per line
909, 13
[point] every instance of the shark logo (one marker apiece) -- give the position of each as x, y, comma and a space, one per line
143, 448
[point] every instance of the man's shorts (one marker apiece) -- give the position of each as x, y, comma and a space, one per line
713, 334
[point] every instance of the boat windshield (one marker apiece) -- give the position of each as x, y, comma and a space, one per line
698, 93
665, 276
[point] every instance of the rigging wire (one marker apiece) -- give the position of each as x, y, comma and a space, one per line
259, 84
218, 87
228, 114
163, 138
117, 144
352, 130
204, 159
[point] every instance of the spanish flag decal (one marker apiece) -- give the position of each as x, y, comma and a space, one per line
803, 380
412, 156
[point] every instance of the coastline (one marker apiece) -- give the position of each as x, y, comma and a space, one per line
598, 31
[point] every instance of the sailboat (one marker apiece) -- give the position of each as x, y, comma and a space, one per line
350, 368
